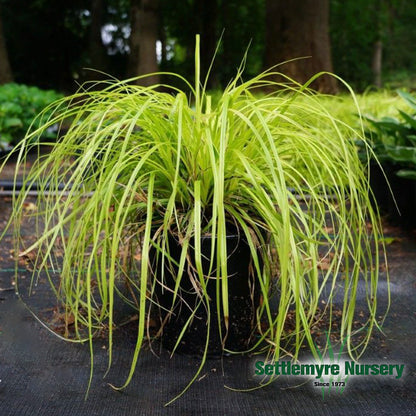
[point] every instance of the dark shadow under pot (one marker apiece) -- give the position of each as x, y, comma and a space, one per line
400, 210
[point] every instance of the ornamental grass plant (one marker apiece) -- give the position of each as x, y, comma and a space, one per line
140, 164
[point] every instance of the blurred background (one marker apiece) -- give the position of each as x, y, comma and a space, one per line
50, 43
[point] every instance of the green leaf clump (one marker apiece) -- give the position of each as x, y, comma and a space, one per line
393, 139
19, 106
140, 164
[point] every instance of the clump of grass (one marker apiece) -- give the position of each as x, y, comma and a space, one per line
139, 165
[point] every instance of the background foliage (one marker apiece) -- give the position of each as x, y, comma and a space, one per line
19, 105
357, 25
49, 41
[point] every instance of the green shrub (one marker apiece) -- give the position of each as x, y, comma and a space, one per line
19, 105
393, 140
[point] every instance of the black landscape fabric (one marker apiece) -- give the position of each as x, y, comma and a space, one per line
43, 375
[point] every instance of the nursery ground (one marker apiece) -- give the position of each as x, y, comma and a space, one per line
43, 375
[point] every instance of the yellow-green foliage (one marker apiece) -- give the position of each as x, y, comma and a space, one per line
140, 164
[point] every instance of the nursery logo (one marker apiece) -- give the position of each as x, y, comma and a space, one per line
329, 373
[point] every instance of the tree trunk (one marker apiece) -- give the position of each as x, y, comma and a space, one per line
163, 46
97, 55
143, 38
6, 74
377, 63
300, 29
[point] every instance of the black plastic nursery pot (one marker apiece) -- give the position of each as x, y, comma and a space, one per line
400, 210
243, 300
